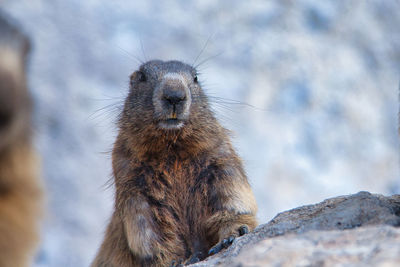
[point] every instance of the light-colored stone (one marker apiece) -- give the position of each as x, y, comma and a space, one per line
354, 230
369, 246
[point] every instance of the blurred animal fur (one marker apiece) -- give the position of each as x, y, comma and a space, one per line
181, 191
20, 188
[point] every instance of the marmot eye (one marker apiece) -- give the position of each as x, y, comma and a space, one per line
195, 79
142, 77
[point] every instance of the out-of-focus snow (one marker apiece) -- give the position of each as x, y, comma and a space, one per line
321, 77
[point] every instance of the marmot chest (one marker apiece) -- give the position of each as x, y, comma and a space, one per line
182, 192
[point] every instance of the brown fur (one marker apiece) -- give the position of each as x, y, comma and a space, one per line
178, 192
20, 189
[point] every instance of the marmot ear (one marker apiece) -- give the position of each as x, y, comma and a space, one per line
138, 76
132, 79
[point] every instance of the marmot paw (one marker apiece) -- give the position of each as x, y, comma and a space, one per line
226, 242
177, 263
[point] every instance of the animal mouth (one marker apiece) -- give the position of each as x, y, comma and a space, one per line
171, 124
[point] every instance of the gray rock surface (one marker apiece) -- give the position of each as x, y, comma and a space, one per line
369, 246
352, 230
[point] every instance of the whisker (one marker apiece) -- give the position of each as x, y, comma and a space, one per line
209, 58
202, 50
227, 101
109, 98
142, 48
130, 55
107, 112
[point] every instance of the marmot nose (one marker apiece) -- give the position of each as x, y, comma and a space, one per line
174, 97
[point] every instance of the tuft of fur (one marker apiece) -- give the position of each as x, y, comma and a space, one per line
20, 188
180, 190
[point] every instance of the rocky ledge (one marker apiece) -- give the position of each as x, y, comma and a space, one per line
353, 230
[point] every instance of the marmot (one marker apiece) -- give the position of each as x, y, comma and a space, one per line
181, 191
20, 186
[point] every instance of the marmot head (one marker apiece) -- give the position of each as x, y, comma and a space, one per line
165, 95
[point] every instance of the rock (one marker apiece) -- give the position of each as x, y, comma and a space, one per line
352, 230
369, 246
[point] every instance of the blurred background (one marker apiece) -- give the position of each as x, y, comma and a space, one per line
310, 90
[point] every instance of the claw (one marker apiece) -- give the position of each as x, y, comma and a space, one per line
215, 249
223, 244
228, 241
243, 230
175, 263
196, 257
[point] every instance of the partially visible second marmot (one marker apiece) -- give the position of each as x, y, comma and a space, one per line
181, 191
20, 188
